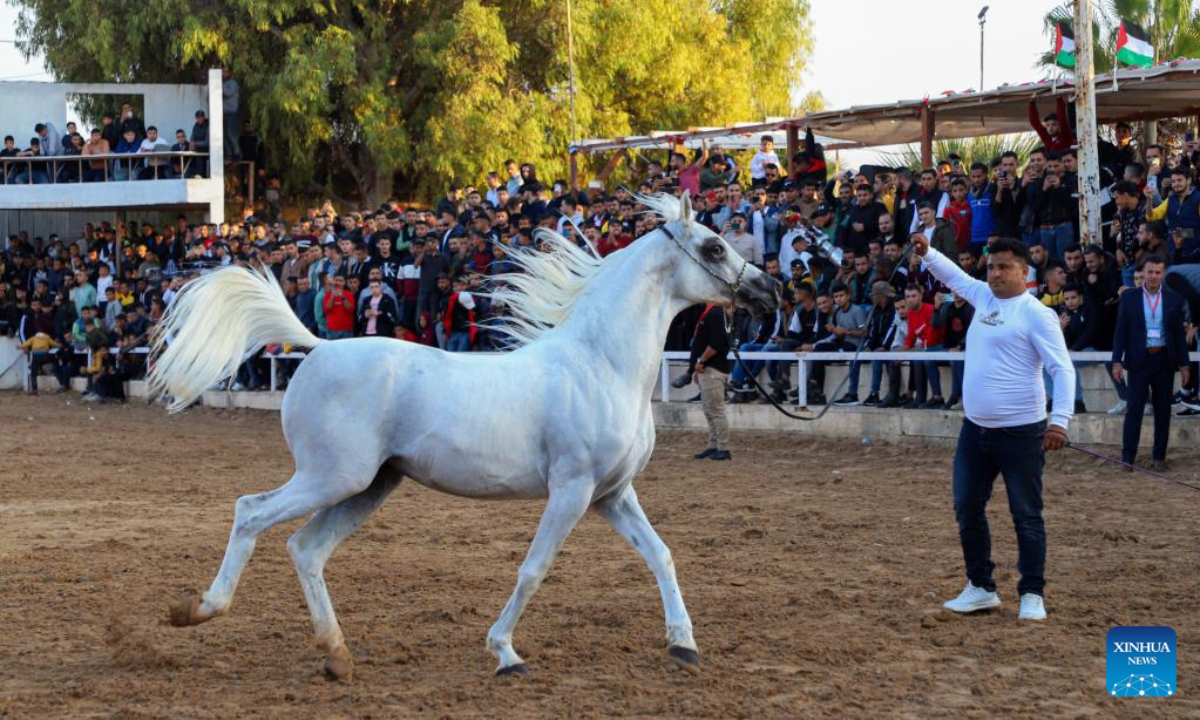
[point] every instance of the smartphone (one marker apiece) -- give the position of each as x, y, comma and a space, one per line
948, 297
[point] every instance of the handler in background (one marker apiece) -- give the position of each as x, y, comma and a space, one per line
1004, 431
1149, 346
710, 354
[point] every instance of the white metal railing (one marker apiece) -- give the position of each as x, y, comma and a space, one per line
133, 163
802, 360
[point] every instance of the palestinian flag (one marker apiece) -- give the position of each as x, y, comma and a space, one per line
1133, 46
1064, 46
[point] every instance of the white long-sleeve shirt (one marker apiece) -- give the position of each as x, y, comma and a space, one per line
758, 163
1008, 343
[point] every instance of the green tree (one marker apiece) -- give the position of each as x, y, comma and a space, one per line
424, 92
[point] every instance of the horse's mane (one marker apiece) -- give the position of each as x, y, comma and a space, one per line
541, 294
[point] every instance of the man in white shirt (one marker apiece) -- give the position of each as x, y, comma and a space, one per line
154, 167
764, 157
1004, 431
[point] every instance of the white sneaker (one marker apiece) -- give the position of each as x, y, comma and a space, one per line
1118, 409
973, 599
238, 387
1032, 607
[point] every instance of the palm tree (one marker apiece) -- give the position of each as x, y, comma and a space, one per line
982, 149
1173, 27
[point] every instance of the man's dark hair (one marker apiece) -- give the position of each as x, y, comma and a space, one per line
979, 166
1072, 287
1038, 151
1054, 264
958, 182
914, 288
39, 128
1073, 247
839, 288
894, 241
928, 171
1157, 228
1125, 188
863, 187
9, 138
1148, 259
1009, 154
738, 214
1180, 171
155, 129
1018, 249
1138, 168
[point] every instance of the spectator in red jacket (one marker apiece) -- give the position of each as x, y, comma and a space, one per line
922, 334
959, 213
339, 309
1056, 133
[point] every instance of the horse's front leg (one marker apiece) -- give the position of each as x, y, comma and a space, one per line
624, 513
563, 511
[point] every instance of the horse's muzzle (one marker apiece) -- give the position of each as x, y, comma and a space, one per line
760, 295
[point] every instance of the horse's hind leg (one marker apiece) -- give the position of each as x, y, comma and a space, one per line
311, 547
304, 494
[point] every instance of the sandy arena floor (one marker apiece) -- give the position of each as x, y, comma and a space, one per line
814, 576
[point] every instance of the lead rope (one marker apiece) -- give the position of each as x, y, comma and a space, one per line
733, 343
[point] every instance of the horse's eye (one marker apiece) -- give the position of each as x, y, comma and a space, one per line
714, 251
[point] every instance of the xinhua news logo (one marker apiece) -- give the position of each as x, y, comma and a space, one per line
1141, 662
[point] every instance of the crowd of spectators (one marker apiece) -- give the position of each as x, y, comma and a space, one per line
836, 241
46, 158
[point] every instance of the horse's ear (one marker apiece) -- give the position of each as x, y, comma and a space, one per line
685, 206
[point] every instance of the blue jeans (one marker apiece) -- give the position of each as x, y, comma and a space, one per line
931, 372
1057, 238
459, 342
893, 370
752, 367
338, 334
37, 177
1016, 452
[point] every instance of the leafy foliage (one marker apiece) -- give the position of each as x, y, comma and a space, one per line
362, 92
983, 149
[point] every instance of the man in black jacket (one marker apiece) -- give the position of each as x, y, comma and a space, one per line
1151, 345
710, 356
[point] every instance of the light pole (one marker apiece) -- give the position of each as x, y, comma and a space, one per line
982, 20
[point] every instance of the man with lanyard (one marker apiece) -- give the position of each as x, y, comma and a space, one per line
1148, 347
1182, 212
710, 355
1004, 431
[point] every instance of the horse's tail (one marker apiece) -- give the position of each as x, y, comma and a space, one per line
213, 324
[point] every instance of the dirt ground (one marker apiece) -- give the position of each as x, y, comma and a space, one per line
813, 573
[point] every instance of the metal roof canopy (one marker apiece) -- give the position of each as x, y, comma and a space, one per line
1166, 90
739, 136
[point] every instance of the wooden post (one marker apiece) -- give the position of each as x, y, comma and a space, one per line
927, 130
793, 147
574, 171
1085, 122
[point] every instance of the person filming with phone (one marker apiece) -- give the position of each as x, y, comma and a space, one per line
1182, 213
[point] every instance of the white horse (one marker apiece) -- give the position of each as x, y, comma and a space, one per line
565, 415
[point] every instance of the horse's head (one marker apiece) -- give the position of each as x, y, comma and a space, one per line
708, 270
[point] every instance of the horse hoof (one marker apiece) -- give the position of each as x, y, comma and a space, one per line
685, 658
518, 670
186, 611
339, 669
